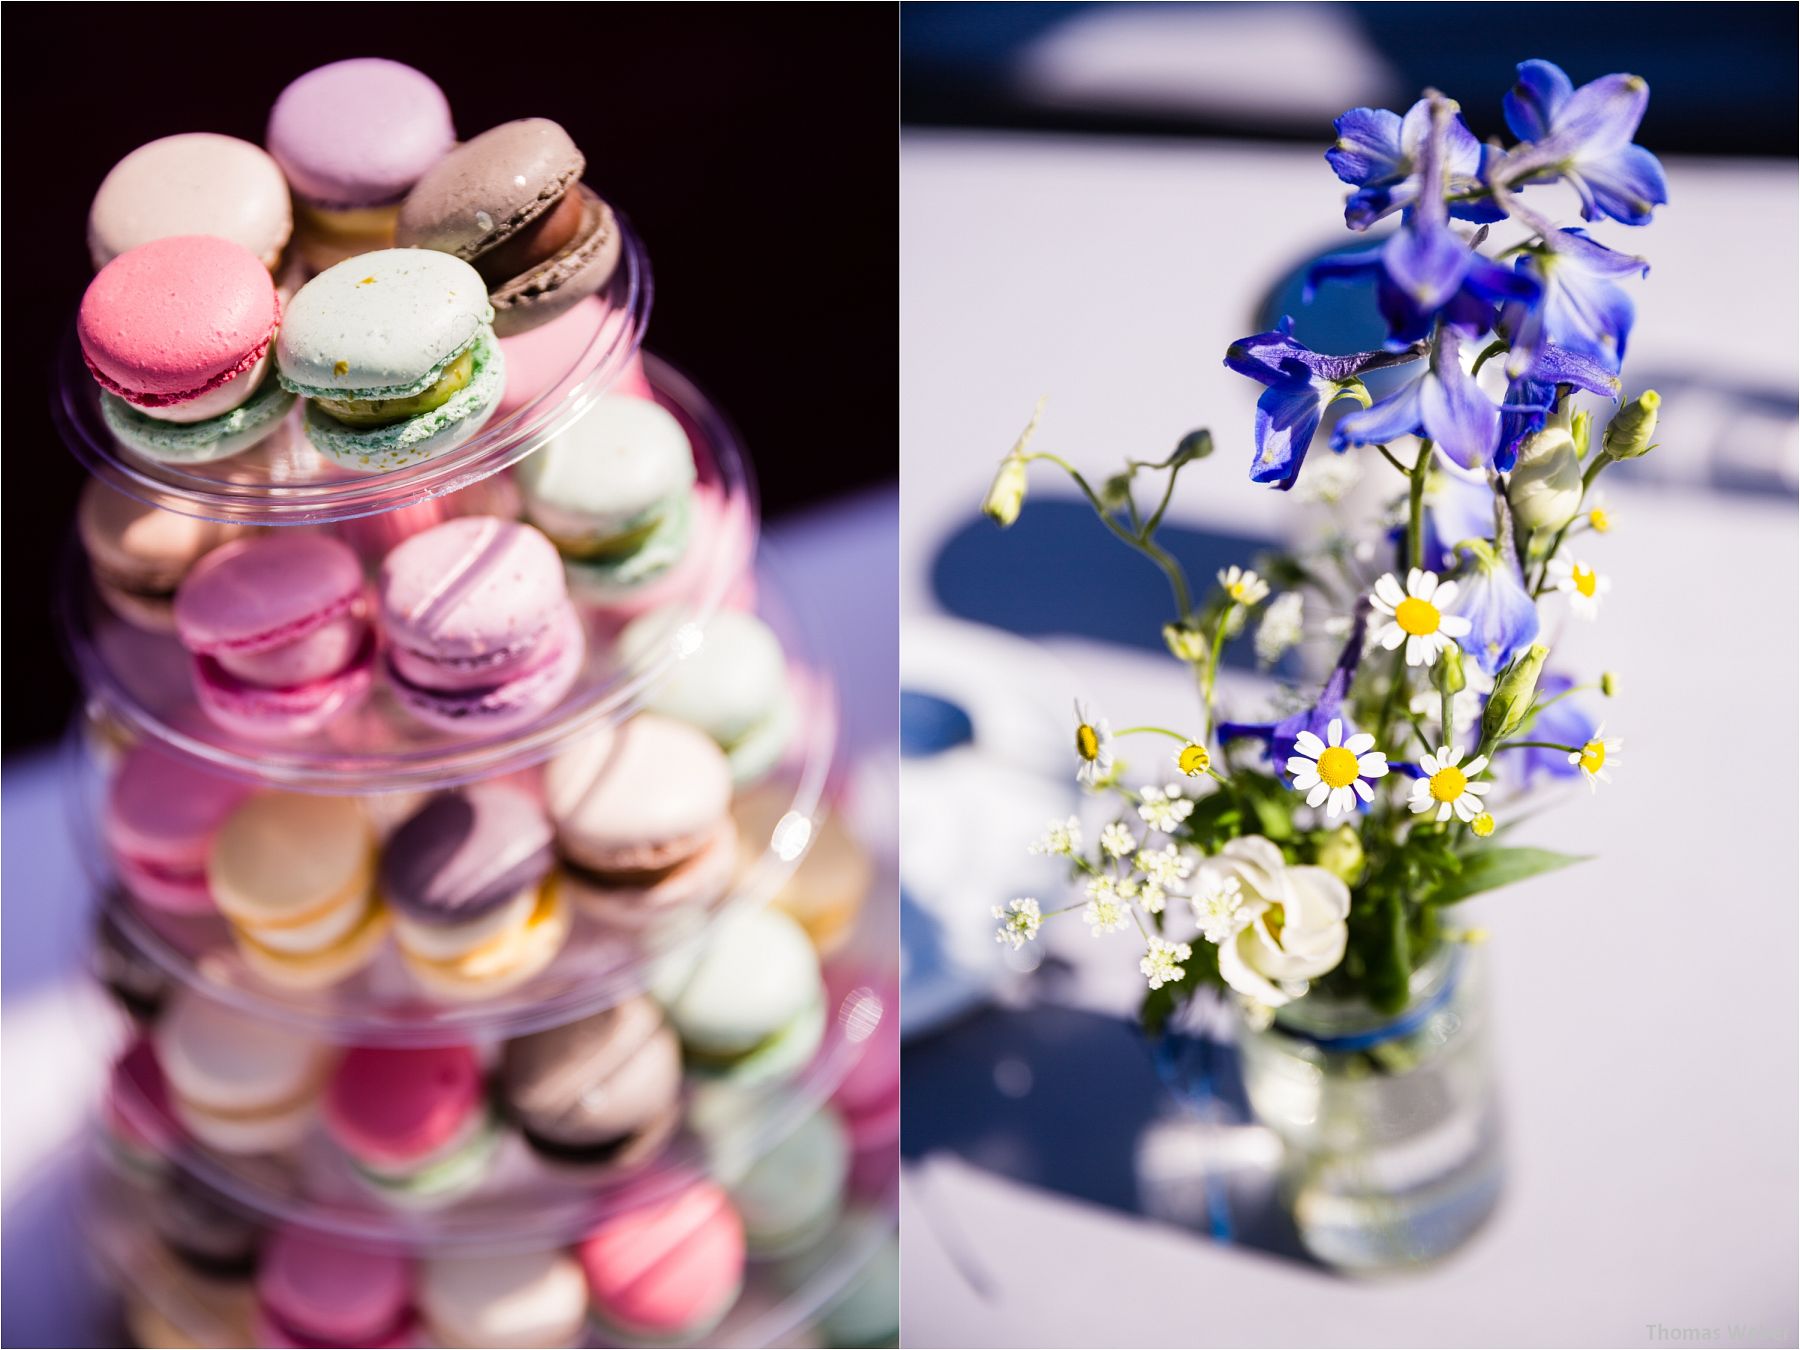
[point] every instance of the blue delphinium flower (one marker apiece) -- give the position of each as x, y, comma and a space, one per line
1530, 401
1279, 738
1562, 723
1456, 508
1579, 308
1443, 404
1502, 616
1377, 152
1584, 137
1301, 383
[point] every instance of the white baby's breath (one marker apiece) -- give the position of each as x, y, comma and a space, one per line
1164, 808
1162, 962
1019, 922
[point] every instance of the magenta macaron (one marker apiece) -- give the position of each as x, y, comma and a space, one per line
310, 1292
415, 1123
177, 332
161, 814
279, 632
481, 636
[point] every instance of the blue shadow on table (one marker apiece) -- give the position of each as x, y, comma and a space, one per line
1068, 1100
1056, 574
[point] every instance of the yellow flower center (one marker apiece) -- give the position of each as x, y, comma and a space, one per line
1087, 742
1600, 520
1585, 580
1593, 756
1416, 616
1337, 766
1238, 591
1447, 784
1193, 760
1483, 824
1274, 920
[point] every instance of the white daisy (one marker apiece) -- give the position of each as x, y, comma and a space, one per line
1162, 962
1019, 922
1117, 840
1416, 616
1581, 583
1335, 771
1093, 746
1594, 757
1280, 627
1219, 907
1061, 838
1243, 586
1449, 785
1106, 911
1164, 808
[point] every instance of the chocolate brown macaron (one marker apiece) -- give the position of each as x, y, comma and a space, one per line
511, 203
603, 1091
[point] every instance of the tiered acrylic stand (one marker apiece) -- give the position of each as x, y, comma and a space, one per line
138, 688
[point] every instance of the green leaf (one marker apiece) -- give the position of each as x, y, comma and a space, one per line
1495, 867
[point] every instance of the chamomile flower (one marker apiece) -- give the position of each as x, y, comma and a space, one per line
1599, 520
1594, 757
1164, 808
1483, 824
1449, 785
1193, 760
1335, 771
1417, 616
1093, 746
1116, 839
1243, 586
1581, 583
1219, 908
1019, 922
1061, 839
1280, 627
1106, 910
1162, 962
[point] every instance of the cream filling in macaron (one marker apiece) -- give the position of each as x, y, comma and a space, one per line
263, 1129
234, 393
314, 935
436, 942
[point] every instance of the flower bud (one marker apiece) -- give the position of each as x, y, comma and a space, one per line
1007, 494
1115, 492
1545, 489
1448, 672
1185, 642
1194, 445
1341, 854
1609, 684
1581, 431
1513, 692
1628, 434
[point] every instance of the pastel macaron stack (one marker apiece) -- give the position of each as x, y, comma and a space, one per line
278, 626
642, 815
666, 1271
161, 815
505, 1301
294, 874
353, 137
748, 999
465, 876
614, 493
179, 334
394, 353
511, 203
196, 183
481, 635
728, 677
314, 1293
415, 1124
139, 555
790, 1196
238, 1085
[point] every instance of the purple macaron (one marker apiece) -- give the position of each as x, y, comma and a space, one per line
359, 133
279, 631
482, 637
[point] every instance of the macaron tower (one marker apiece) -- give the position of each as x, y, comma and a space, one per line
448, 753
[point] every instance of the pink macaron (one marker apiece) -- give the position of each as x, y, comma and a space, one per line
414, 1122
481, 635
171, 324
161, 814
140, 1126
279, 631
868, 1098
667, 1270
555, 357
310, 1292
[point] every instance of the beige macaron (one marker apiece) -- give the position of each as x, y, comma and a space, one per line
238, 1084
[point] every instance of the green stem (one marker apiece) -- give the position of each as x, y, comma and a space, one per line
1587, 481
1156, 731
1172, 569
1415, 508
1212, 663
1389, 456
1536, 745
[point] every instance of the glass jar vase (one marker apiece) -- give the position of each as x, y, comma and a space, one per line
1390, 1121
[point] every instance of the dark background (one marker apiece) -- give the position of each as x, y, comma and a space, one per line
752, 146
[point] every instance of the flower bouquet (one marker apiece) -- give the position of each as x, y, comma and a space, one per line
1308, 865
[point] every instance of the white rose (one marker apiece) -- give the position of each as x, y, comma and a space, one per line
1296, 931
